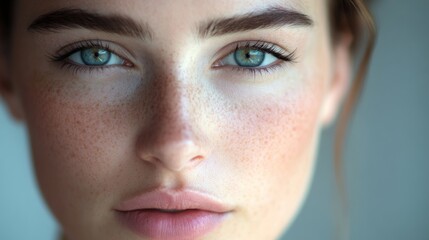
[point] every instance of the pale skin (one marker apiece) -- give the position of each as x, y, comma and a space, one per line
171, 119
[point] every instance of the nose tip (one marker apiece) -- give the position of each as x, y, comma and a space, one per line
173, 155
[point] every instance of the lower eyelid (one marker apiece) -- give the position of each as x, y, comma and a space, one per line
255, 71
99, 71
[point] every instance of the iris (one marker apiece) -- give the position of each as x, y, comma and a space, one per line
95, 56
248, 57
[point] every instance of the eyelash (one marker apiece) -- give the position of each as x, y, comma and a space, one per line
265, 47
65, 52
268, 48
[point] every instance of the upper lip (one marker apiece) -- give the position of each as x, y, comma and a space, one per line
166, 199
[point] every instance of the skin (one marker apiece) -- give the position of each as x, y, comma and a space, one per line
99, 137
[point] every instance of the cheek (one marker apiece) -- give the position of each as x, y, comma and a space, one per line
271, 152
77, 145
271, 126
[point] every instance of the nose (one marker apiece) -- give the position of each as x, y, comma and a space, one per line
173, 149
171, 138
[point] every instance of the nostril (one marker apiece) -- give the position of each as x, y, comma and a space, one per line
180, 152
151, 159
197, 158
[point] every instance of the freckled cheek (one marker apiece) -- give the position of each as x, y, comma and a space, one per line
75, 146
271, 149
275, 127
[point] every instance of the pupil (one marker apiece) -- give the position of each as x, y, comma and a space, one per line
95, 56
249, 57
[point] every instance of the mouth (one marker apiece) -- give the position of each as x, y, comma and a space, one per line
172, 214
169, 210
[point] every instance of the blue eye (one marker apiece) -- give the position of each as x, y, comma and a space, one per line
95, 56
259, 55
249, 57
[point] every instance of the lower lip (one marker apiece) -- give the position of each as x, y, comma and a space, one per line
187, 224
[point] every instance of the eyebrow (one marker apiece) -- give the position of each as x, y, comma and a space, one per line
267, 18
67, 18
77, 18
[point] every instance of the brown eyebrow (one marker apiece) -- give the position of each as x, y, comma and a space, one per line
77, 18
67, 18
268, 18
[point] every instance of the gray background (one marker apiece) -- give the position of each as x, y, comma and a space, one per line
387, 158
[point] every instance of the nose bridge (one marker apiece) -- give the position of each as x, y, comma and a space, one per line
171, 113
169, 139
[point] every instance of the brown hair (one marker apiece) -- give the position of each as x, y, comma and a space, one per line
352, 16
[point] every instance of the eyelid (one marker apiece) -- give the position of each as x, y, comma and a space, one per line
63, 53
279, 52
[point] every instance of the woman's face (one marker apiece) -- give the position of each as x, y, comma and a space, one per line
176, 102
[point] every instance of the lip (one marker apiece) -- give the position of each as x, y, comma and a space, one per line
172, 214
